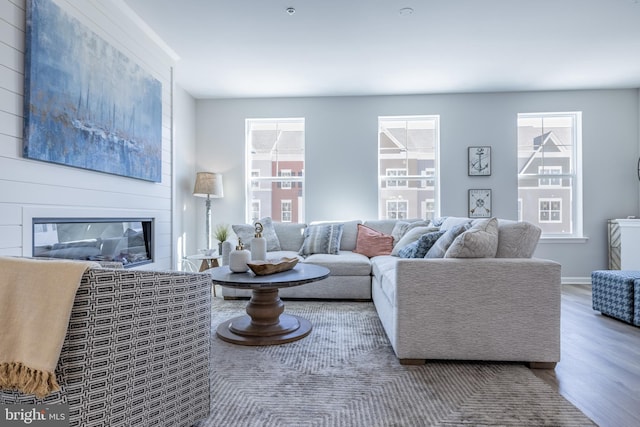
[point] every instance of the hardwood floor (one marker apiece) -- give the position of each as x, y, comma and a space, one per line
599, 371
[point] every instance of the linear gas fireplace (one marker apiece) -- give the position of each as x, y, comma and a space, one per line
125, 240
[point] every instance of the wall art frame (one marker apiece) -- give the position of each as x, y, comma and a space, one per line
86, 104
479, 160
480, 203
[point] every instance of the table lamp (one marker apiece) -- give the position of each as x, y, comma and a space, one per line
208, 185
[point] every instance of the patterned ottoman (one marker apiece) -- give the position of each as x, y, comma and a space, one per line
616, 293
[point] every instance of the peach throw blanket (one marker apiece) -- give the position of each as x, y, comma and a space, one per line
36, 297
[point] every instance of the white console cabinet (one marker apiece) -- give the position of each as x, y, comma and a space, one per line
624, 244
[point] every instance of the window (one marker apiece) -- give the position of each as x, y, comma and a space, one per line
255, 211
428, 209
549, 181
396, 182
430, 174
285, 184
255, 183
549, 178
285, 209
275, 165
408, 148
520, 209
550, 210
397, 209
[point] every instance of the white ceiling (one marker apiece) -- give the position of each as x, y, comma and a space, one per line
253, 48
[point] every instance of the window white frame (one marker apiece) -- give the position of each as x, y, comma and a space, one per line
408, 147
274, 145
255, 210
428, 182
397, 209
428, 208
550, 209
285, 185
573, 176
286, 208
519, 208
396, 183
549, 181
255, 183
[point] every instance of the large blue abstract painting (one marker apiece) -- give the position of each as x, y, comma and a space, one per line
87, 104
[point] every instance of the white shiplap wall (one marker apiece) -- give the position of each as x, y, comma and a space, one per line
33, 188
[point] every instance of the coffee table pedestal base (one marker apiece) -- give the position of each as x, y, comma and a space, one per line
240, 330
265, 322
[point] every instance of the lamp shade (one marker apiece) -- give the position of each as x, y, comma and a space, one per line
208, 184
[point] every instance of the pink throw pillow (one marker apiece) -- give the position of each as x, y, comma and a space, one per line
372, 243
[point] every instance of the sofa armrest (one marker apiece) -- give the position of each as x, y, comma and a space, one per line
481, 308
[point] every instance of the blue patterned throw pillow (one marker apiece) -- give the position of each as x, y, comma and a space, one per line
420, 247
322, 239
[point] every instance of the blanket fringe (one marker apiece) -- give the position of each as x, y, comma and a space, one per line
15, 375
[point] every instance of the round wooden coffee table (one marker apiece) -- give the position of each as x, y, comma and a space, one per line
265, 322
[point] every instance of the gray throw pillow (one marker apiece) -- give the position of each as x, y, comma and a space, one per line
398, 231
322, 239
442, 244
420, 247
517, 239
246, 232
402, 227
452, 221
437, 222
480, 241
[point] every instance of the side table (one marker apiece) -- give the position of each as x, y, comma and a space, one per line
206, 261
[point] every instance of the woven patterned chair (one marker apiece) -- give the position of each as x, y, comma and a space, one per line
136, 352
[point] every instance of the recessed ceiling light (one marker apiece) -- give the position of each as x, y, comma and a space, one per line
290, 10
405, 11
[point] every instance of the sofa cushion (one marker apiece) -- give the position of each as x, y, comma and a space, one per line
322, 239
442, 244
410, 237
479, 241
246, 232
290, 235
517, 239
382, 263
345, 263
372, 243
420, 247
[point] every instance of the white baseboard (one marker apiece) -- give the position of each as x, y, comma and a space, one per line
576, 280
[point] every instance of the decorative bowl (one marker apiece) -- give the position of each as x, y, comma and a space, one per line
262, 268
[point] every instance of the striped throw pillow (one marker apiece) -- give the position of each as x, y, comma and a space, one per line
322, 239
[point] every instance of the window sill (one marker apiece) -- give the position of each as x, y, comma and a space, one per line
568, 239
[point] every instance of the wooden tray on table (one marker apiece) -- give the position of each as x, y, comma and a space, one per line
263, 268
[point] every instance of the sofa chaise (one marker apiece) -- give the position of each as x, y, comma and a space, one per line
504, 306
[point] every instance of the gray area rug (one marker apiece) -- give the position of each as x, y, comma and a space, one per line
346, 374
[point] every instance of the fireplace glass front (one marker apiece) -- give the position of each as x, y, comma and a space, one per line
125, 240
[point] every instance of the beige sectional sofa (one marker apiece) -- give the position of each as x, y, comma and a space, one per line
501, 308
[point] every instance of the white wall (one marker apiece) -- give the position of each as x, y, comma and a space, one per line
28, 187
185, 231
341, 153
